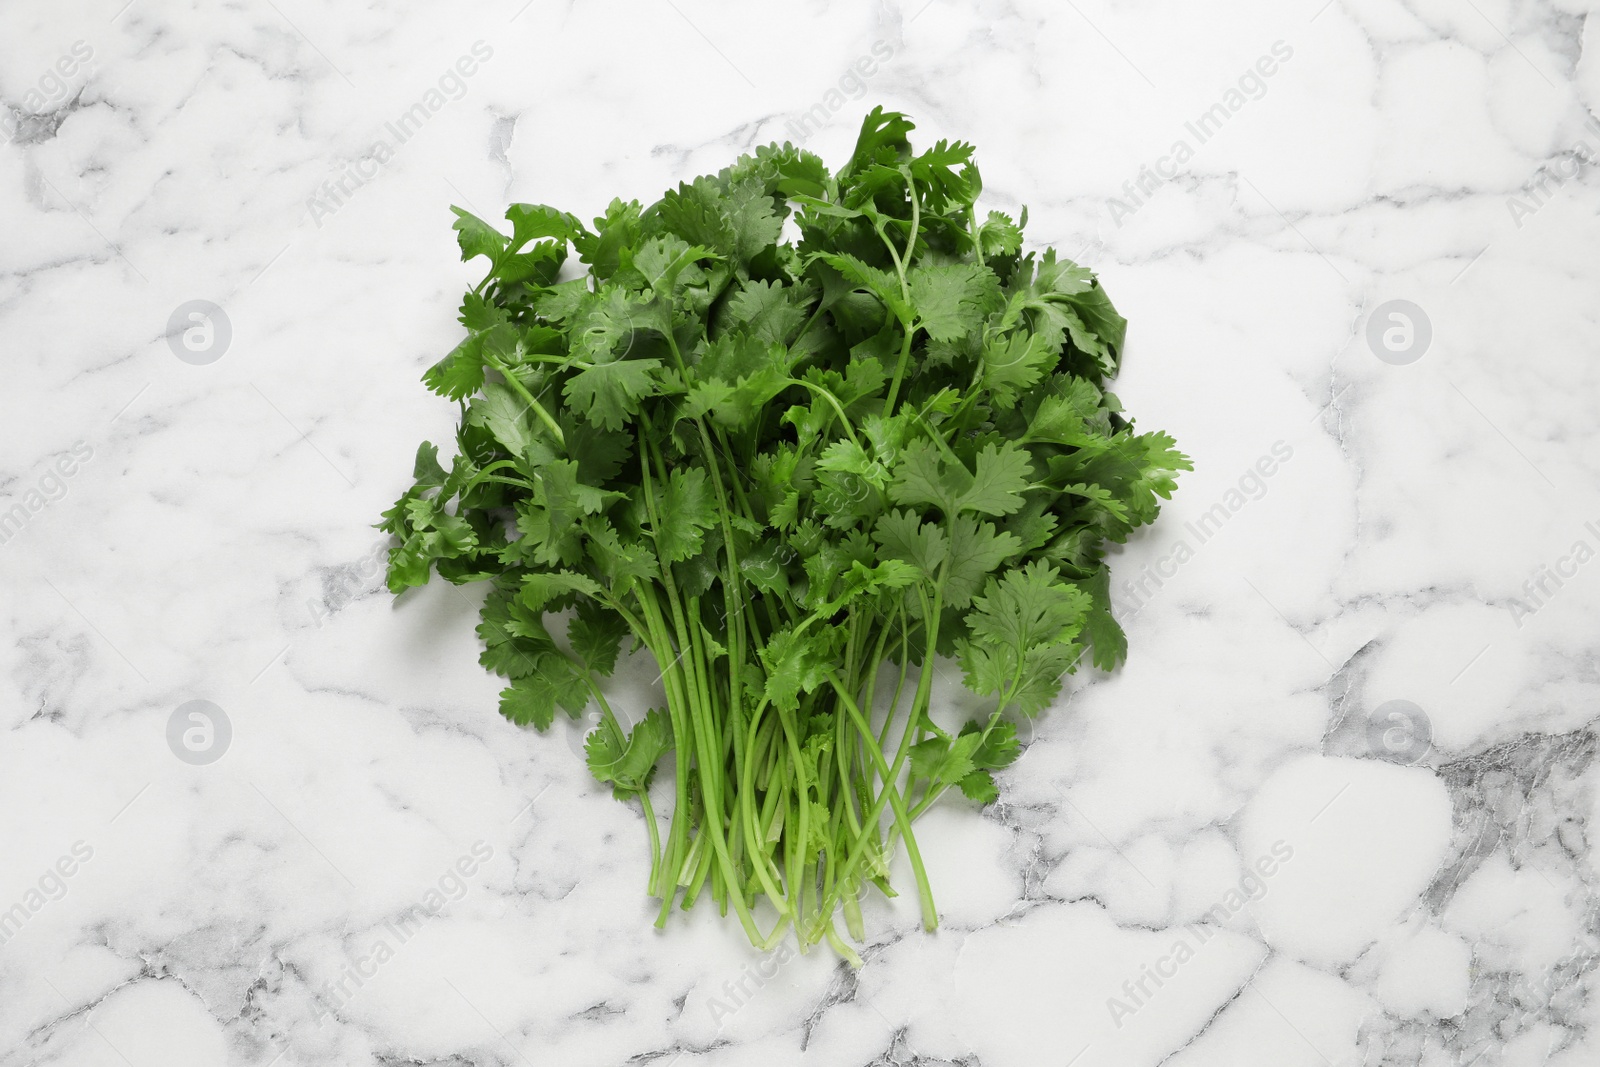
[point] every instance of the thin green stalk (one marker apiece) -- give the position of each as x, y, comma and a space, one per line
483, 475
538, 408
682, 733
905, 293
891, 774
833, 401
802, 818
709, 773
869, 823
702, 869
930, 915
900, 684
698, 713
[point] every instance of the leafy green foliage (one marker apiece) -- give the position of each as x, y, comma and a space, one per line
997, 747
777, 466
628, 763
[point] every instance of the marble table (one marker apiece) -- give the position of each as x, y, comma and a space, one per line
1333, 811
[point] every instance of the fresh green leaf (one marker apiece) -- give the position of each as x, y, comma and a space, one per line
476, 237
608, 393
951, 299
687, 510
628, 765
533, 699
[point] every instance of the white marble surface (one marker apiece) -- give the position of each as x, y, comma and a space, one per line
212, 543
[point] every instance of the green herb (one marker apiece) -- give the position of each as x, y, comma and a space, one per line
796, 472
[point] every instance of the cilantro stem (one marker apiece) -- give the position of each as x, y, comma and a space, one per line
702, 868
483, 475
905, 294
655, 834
758, 855
891, 775
692, 692
538, 408
900, 683
563, 361
842, 948
682, 733
802, 815
844, 755
518, 482
827, 394
930, 915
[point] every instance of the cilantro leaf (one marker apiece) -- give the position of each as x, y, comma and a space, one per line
1105, 634
766, 312
426, 470
608, 393
476, 237
925, 476
904, 536
951, 299
979, 785
1000, 749
1024, 629
507, 416
687, 511
943, 761
976, 549
999, 236
459, 374
628, 765
541, 587
1015, 363
550, 521
533, 698
596, 634
796, 664
514, 639
533, 222
880, 283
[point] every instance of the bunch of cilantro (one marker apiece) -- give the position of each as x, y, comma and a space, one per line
796, 472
